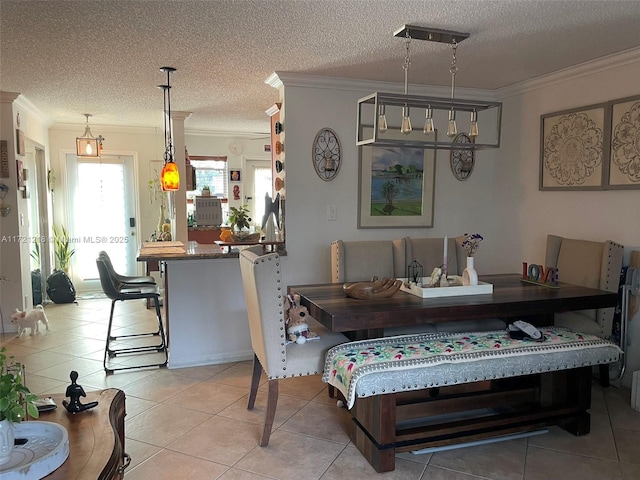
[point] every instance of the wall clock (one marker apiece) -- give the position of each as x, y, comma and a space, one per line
235, 147
326, 154
462, 159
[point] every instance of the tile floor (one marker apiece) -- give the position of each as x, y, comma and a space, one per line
193, 423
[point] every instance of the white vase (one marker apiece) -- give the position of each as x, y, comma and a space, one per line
7, 437
469, 275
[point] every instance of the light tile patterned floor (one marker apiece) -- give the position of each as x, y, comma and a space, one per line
193, 423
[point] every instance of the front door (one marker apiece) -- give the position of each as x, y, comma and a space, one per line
102, 216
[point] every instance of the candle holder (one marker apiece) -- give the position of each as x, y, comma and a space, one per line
414, 272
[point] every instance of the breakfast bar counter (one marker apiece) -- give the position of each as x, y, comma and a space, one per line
205, 313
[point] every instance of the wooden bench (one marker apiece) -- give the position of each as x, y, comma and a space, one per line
415, 391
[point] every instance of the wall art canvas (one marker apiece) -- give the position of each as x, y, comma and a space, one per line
624, 159
396, 187
572, 153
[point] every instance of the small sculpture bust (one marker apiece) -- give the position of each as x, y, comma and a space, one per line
74, 392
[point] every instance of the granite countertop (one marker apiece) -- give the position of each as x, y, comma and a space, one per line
154, 251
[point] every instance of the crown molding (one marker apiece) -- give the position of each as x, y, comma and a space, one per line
228, 134
290, 79
568, 74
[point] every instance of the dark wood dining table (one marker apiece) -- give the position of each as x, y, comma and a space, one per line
401, 421
511, 298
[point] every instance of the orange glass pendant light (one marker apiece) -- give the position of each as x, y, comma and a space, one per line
170, 177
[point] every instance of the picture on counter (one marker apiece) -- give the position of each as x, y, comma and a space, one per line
235, 175
624, 163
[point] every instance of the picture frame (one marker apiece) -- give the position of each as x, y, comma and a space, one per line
235, 175
396, 186
623, 166
20, 142
19, 173
573, 153
236, 192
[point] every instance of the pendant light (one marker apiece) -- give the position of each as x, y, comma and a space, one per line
87, 145
443, 118
170, 177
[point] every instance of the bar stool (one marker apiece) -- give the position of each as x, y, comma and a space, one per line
133, 281
118, 291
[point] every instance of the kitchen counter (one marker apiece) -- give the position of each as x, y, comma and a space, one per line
205, 313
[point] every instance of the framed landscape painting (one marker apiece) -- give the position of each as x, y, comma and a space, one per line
396, 187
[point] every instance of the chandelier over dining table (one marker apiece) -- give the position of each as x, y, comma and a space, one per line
384, 119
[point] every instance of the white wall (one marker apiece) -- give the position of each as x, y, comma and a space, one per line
531, 214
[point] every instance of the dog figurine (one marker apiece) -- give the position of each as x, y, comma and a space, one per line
29, 319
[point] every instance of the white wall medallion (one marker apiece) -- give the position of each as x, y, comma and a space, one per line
326, 154
462, 159
235, 147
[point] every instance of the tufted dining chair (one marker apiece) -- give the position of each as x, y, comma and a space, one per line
265, 298
589, 264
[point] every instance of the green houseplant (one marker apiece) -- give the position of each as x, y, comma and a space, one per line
15, 400
62, 248
239, 218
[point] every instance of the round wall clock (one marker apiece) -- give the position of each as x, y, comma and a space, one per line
326, 154
235, 147
462, 159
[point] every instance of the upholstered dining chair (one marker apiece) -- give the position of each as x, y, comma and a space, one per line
265, 298
589, 264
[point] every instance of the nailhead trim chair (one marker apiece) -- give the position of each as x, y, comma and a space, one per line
265, 298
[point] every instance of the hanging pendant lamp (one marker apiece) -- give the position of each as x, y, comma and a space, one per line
87, 145
170, 177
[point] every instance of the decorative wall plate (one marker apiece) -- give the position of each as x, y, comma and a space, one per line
462, 159
326, 154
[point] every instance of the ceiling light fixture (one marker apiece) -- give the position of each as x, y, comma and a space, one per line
376, 114
170, 177
87, 145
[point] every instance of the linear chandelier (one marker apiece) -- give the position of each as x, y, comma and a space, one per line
87, 145
170, 176
384, 119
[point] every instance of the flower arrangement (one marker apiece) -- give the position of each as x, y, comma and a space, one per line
14, 396
471, 243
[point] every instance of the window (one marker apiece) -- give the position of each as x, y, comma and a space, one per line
211, 171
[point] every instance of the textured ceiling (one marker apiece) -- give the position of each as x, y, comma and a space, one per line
103, 56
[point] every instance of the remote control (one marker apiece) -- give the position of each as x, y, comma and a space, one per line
529, 329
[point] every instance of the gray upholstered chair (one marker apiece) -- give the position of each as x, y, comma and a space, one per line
265, 298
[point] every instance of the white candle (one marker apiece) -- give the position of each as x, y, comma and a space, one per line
445, 260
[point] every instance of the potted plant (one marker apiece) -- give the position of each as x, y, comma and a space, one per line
15, 400
62, 248
239, 221
36, 275
206, 191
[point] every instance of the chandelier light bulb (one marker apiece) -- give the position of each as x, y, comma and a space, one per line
428, 122
406, 121
382, 119
452, 129
88, 150
473, 128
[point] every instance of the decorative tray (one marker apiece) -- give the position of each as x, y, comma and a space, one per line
45, 448
455, 288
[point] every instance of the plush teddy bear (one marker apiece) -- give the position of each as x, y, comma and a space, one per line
296, 321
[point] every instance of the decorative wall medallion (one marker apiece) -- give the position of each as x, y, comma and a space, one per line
624, 169
326, 154
235, 147
462, 159
572, 149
